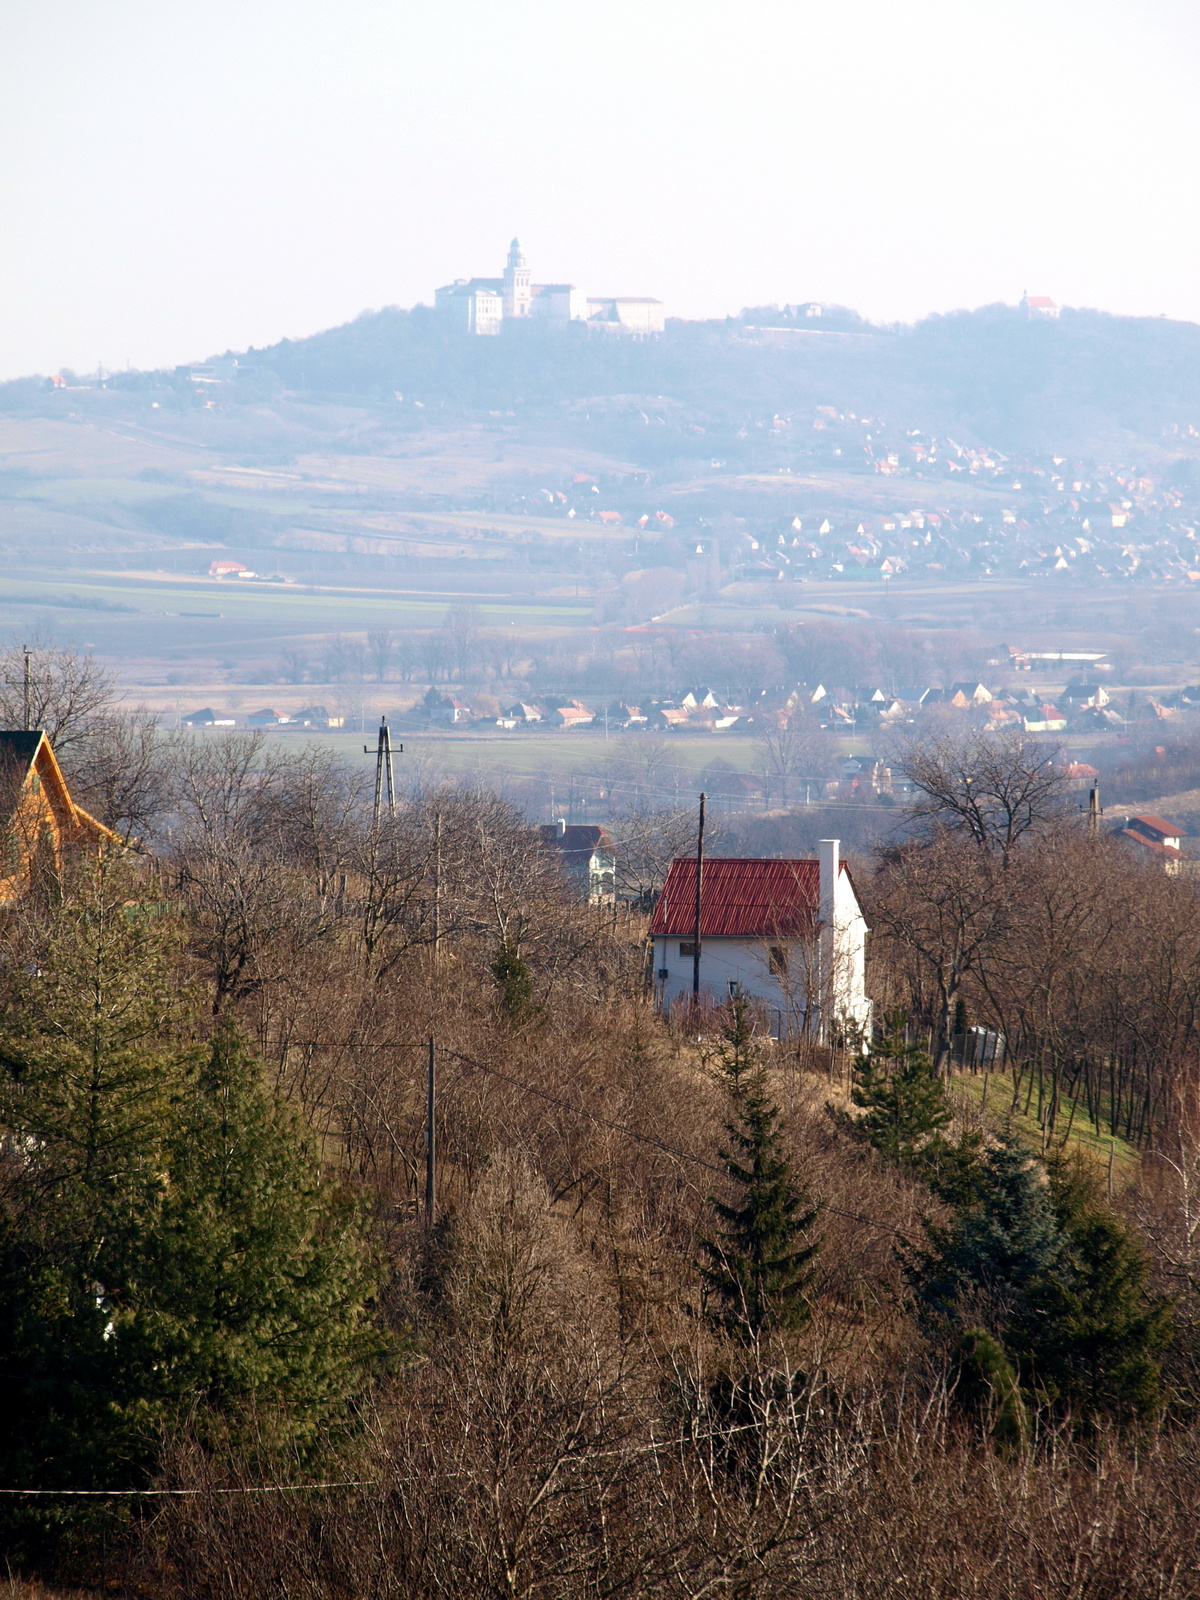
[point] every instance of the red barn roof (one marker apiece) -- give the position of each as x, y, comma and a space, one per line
743, 897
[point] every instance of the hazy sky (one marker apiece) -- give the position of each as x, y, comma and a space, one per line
179, 177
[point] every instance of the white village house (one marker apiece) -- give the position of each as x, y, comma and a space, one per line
789, 935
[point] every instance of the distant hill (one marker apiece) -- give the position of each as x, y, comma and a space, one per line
1085, 382
742, 396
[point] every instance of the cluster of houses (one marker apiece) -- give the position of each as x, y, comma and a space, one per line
314, 718
1079, 707
1056, 517
699, 709
787, 935
1059, 536
1084, 705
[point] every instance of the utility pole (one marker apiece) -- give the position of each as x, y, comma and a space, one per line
1093, 811
383, 770
699, 906
430, 1140
27, 690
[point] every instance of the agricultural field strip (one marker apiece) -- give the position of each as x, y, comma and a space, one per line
163, 591
415, 523
404, 526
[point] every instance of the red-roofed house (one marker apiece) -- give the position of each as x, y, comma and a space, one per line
788, 934
1039, 305
1162, 839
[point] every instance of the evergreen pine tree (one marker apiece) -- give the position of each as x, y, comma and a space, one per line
996, 1247
904, 1099
514, 984
94, 1050
1061, 1284
987, 1379
1087, 1333
758, 1268
167, 1245
258, 1276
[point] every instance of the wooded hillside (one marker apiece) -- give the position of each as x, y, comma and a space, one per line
695, 1311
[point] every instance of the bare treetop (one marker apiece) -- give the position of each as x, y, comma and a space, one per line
58, 691
998, 787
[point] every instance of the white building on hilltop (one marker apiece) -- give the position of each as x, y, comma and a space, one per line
481, 305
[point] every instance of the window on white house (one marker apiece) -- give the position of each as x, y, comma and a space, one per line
687, 947
778, 961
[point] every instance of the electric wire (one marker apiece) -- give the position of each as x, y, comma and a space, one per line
578, 1111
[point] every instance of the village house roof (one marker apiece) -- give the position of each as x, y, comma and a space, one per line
576, 842
741, 898
25, 756
1149, 823
208, 718
1157, 846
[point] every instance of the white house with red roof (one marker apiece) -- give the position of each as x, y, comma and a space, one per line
1039, 305
789, 935
1162, 840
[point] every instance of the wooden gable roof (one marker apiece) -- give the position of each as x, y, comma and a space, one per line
25, 754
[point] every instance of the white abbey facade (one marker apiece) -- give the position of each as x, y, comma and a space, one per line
482, 305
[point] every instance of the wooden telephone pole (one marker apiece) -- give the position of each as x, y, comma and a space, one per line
699, 906
1093, 811
430, 1139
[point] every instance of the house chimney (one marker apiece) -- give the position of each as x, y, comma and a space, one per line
562, 827
829, 853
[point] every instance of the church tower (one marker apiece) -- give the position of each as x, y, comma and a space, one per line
517, 292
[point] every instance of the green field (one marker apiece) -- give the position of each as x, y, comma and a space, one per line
298, 608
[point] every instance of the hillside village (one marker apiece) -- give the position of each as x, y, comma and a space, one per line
1046, 517
1085, 706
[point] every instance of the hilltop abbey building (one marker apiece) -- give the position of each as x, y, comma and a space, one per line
482, 305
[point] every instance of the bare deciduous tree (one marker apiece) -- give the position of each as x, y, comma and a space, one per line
997, 787
794, 748
68, 694
648, 838
942, 906
380, 650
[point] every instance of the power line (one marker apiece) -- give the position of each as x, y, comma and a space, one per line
265, 1488
578, 1111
